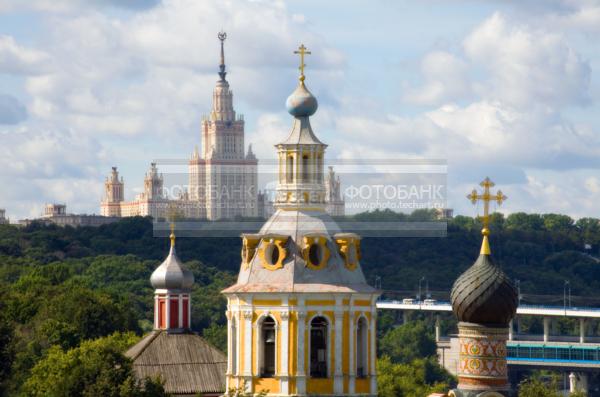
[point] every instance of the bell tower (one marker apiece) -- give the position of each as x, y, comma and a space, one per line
301, 317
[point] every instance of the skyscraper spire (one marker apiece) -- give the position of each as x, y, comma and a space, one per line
222, 73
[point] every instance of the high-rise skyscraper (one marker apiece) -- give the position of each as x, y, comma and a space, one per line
222, 180
224, 176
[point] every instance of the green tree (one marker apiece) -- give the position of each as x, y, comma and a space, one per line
589, 229
524, 222
94, 314
463, 222
216, 335
407, 342
535, 387
558, 223
417, 379
95, 368
6, 349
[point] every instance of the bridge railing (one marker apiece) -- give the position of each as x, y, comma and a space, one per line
561, 307
525, 352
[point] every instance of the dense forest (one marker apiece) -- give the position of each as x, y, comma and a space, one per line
65, 290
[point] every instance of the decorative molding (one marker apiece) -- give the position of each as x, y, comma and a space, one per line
269, 243
319, 241
349, 249
249, 244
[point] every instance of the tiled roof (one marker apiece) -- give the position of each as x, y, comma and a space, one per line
186, 362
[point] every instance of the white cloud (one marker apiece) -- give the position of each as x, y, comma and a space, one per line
40, 165
142, 80
498, 96
527, 66
69, 6
270, 129
150, 74
11, 110
16, 59
445, 78
512, 62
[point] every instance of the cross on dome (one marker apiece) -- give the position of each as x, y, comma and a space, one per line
302, 50
486, 197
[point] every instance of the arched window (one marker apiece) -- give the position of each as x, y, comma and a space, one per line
305, 168
267, 358
290, 169
234, 346
361, 348
318, 347
319, 171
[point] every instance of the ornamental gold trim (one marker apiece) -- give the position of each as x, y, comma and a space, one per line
249, 244
349, 249
320, 241
271, 242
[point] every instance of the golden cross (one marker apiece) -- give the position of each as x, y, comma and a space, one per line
302, 51
486, 197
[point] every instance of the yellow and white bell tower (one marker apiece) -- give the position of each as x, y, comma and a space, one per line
301, 317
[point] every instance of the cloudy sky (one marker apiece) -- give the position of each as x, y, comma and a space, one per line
507, 89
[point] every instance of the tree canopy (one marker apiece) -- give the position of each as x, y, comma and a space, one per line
95, 368
64, 287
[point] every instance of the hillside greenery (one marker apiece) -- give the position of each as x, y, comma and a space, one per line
63, 288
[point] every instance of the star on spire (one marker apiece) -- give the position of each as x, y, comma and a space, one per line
222, 36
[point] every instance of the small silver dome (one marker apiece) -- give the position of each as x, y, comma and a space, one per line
301, 103
171, 274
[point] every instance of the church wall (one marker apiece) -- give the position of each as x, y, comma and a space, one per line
341, 340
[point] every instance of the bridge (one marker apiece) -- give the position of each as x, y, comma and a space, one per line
547, 312
579, 355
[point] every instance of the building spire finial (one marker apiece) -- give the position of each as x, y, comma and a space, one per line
486, 197
172, 235
302, 50
222, 36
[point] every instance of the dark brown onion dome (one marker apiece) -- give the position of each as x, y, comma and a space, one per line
484, 294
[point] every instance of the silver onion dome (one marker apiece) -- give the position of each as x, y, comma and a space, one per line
171, 274
301, 103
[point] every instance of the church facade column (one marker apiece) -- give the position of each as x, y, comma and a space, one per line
300, 372
373, 351
168, 311
247, 369
180, 310
351, 350
230, 342
156, 312
338, 378
284, 364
